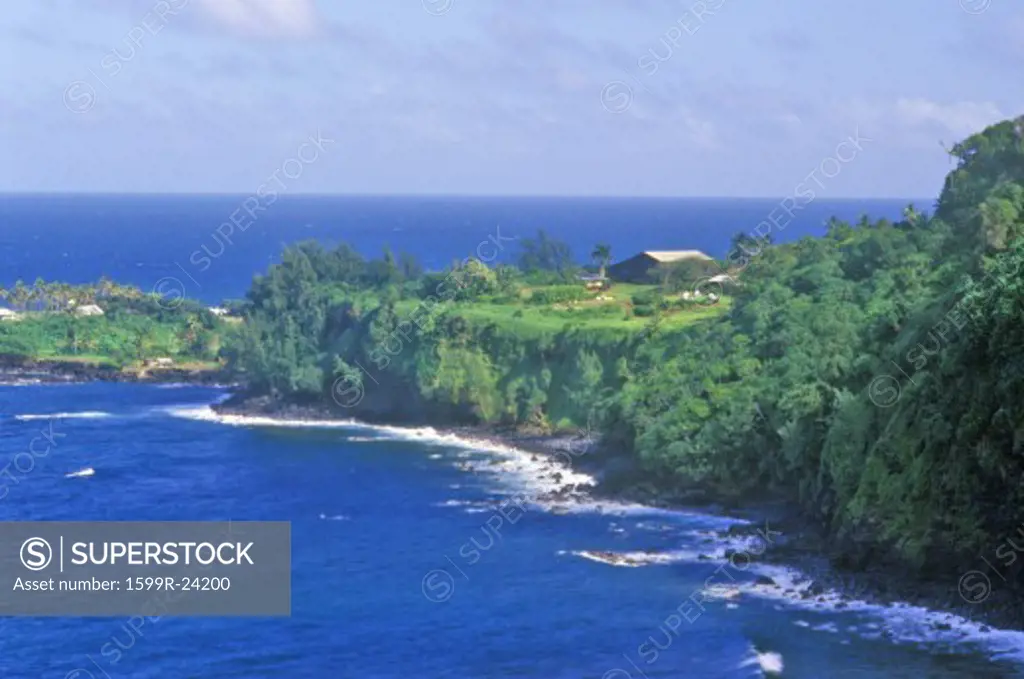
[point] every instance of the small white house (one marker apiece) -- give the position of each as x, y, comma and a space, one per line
9, 315
88, 310
218, 311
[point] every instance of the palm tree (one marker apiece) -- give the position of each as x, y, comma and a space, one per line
18, 296
602, 254
911, 215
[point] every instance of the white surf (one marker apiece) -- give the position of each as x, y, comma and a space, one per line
84, 415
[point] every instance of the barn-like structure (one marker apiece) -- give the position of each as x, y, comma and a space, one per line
637, 268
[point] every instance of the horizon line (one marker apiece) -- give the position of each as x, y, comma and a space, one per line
478, 196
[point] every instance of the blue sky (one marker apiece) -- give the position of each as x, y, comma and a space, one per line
563, 97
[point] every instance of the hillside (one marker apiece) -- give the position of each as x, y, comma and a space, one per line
126, 331
872, 375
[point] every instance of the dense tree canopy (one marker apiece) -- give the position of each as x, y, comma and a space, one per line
873, 374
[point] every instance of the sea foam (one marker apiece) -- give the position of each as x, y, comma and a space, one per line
533, 474
84, 415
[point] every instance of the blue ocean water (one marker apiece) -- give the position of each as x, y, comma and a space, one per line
375, 512
172, 243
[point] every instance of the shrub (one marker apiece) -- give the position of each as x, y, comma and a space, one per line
555, 294
644, 310
646, 298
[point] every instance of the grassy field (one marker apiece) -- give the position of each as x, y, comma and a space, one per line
610, 311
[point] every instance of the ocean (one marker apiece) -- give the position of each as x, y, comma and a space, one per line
400, 570
400, 567
171, 244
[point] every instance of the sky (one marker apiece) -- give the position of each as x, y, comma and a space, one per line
723, 98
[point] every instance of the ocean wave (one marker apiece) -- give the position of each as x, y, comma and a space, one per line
534, 474
768, 662
48, 381
207, 414
471, 506
425, 435
635, 509
900, 622
546, 481
609, 558
633, 559
84, 415
537, 476
717, 553
454, 503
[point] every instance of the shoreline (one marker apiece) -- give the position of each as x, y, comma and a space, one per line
572, 470
55, 371
801, 546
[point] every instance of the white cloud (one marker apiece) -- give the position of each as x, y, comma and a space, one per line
264, 18
962, 118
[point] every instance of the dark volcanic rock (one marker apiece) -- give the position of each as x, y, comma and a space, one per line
20, 367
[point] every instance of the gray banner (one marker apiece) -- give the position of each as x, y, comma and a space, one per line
154, 569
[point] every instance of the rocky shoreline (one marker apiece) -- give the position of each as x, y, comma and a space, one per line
801, 545
24, 369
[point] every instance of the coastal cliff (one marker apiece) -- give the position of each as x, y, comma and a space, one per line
867, 377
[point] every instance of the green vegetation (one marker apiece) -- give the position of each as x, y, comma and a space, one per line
873, 375
133, 327
602, 256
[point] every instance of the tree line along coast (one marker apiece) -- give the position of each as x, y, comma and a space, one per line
870, 377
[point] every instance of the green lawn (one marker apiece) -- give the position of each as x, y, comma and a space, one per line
607, 316
544, 320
